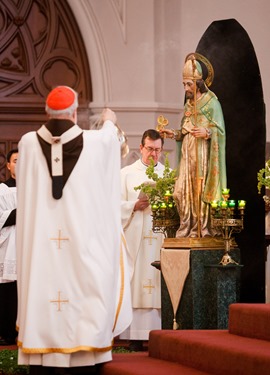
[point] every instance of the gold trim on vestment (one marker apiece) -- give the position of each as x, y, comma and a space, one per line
62, 350
122, 287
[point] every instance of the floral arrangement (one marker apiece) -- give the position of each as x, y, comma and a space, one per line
264, 180
160, 192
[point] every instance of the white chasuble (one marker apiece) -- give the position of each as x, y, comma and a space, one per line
143, 245
72, 295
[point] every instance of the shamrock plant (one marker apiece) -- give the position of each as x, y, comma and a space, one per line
160, 190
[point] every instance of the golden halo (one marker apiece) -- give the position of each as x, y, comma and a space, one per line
210, 77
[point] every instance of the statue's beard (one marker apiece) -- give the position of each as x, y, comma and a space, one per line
189, 95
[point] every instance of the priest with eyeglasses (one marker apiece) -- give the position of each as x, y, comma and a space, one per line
143, 245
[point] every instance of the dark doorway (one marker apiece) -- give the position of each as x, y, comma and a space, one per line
237, 84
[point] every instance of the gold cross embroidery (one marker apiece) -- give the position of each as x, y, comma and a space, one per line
58, 301
150, 237
149, 286
59, 239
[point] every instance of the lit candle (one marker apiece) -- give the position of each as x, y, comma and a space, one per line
168, 193
223, 204
242, 204
163, 205
154, 206
231, 203
225, 191
214, 204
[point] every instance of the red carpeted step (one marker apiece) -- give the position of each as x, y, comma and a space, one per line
213, 351
250, 320
142, 364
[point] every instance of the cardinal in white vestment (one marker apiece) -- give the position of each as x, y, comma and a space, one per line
143, 245
72, 295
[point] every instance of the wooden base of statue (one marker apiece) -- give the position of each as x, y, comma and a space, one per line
209, 287
196, 243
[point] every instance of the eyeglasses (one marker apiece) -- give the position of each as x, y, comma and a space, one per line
151, 149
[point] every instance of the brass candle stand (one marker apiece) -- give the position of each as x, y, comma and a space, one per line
166, 221
165, 217
228, 219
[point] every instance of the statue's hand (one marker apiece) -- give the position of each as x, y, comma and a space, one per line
166, 133
199, 132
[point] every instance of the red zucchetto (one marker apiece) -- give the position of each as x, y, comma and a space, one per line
60, 98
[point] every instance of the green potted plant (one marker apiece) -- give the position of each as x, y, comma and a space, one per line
159, 191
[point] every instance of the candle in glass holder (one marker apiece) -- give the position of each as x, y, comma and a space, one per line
241, 204
214, 204
223, 204
225, 191
168, 193
154, 207
163, 205
231, 203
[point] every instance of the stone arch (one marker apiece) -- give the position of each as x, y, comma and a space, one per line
95, 49
41, 47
